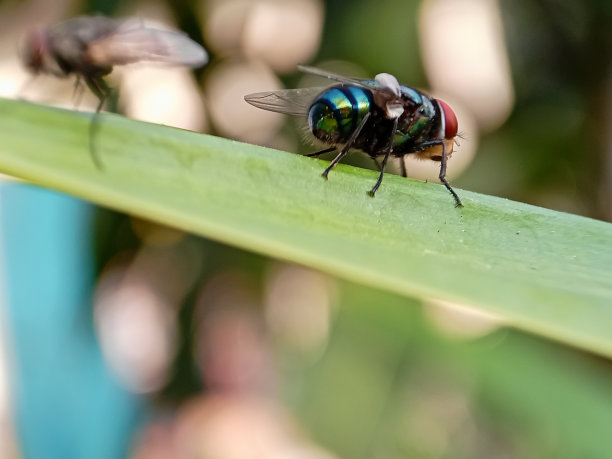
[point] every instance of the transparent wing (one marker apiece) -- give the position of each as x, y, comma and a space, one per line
333, 76
384, 83
133, 41
287, 101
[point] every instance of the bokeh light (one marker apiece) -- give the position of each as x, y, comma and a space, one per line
279, 33
231, 348
167, 96
225, 90
459, 321
464, 53
283, 33
137, 300
136, 328
232, 428
298, 307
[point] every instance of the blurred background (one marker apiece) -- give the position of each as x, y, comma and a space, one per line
121, 338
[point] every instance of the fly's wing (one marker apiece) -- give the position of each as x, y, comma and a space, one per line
333, 76
384, 87
85, 29
135, 42
287, 101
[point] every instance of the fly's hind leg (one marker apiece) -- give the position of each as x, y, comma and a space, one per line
442, 176
102, 91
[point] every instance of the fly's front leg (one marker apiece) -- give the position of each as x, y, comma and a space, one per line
442, 177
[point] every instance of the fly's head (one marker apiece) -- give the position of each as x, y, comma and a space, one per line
33, 50
37, 55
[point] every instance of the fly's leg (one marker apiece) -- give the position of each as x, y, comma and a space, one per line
347, 146
101, 90
389, 149
319, 153
403, 167
442, 176
77, 95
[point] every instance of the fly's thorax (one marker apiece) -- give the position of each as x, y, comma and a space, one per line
336, 112
418, 119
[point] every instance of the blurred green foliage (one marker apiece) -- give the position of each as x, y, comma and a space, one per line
555, 149
390, 385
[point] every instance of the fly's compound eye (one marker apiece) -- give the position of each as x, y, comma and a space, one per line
451, 125
33, 49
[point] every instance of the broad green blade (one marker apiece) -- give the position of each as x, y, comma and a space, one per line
539, 270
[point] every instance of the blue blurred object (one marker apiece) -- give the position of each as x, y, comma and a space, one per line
66, 403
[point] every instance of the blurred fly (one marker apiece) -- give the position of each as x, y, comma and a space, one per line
89, 47
380, 117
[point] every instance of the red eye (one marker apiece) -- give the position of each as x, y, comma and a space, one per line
34, 49
450, 120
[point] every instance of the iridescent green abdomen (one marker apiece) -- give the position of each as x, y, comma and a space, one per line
337, 112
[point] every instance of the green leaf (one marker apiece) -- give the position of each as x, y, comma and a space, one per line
539, 270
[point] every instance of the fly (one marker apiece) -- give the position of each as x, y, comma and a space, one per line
380, 117
89, 47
